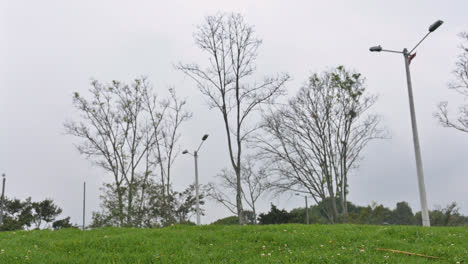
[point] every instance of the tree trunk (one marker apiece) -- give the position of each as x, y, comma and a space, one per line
119, 197
334, 208
254, 213
240, 210
344, 204
129, 205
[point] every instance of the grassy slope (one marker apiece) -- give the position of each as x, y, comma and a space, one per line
235, 244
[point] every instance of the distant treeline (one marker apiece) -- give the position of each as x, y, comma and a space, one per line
28, 214
373, 214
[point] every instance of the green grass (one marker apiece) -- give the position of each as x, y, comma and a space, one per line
237, 244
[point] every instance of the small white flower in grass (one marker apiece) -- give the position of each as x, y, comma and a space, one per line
321, 245
2, 251
105, 236
35, 246
263, 254
211, 244
263, 247
362, 250
269, 254
386, 257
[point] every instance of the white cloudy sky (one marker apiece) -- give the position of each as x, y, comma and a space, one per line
48, 49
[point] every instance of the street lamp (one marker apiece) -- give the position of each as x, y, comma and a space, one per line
306, 207
195, 155
2, 199
408, 56
84, 204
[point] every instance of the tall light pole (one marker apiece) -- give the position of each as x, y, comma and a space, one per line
408, 56
306, 208
2, 199
84, 203
195, 155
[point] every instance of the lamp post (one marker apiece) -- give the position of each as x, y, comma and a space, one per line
84, 203
2, 199
408, 56
195, 156
306, 208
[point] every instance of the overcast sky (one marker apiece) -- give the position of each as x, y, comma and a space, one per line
49, 49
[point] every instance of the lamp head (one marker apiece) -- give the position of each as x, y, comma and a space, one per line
435, 25
376, 49
204, 137
185, 152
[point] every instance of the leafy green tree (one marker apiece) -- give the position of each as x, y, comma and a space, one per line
45, 211
373, 214
62, 223
298, 215
230, 220
233, 220
381, 215
448, 216
17, 214
25, 214
274, 216
185, 203
403, 214
154, 210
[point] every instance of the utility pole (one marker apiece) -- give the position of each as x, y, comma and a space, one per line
2, 200
306, 207
84, 203
196, 187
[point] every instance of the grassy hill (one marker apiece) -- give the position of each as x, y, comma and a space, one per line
237, 244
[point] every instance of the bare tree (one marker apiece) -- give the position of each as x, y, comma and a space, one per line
166, 149
121, 128
316, 140
232, 47
254, 181
459, 84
